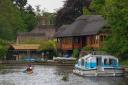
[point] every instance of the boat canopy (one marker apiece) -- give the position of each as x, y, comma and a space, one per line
93, 61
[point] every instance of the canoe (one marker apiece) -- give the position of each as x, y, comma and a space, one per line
29, 72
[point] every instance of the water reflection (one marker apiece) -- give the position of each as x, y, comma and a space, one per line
52, 75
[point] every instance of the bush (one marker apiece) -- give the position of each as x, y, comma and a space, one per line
87, 49
3, 49
76, 53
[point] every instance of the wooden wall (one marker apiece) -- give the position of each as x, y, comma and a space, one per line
70, 43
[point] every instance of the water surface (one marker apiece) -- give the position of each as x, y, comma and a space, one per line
52, 75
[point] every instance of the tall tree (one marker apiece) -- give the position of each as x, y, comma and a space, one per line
116, 13
27, 13
70, 11
14, 20
10, 20
20, 3
29, 18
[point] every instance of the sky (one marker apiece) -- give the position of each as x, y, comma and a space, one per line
47, 5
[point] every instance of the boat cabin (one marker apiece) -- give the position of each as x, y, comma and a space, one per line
96, 61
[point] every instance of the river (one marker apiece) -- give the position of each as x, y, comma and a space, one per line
52, 75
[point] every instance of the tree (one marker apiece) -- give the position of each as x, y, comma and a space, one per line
3, 48
10, 20
76, 53
20, 3
70, 11
14, 20
116, 13
29, 18
38, 10
29, 9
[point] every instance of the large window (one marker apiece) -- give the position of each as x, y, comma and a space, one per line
110, 62
105, 62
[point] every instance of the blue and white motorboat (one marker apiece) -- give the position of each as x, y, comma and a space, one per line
98, 65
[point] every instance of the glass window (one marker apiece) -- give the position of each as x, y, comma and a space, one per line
105, 62
82, 62
112, 62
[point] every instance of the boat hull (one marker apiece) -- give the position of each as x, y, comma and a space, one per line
29, 72
107, 72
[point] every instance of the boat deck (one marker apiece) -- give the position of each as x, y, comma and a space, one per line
98, 73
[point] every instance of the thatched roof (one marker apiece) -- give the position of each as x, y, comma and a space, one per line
83, 25
25, 46
60, 30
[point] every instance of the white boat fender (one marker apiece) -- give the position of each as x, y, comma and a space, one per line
114, 74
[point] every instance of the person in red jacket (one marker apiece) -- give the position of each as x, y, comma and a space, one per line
29, 68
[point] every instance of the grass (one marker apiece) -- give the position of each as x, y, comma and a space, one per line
2, 66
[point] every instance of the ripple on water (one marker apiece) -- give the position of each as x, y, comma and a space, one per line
51, 75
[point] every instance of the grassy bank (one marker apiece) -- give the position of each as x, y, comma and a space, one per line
2, 66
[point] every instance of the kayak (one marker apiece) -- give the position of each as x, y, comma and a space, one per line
28, 72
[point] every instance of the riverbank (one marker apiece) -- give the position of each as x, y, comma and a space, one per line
2, 66
49, 62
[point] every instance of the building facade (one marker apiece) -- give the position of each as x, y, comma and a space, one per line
23, 51
43, 31
85, 31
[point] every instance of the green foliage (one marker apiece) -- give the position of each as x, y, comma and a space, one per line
10, 20
65, 77
76, 53
2, 67
124, 62
30, 20
86, 11
3, 51
3, 48
14, 20
20, 3
87, 49
116, 13
70, 11
45, 45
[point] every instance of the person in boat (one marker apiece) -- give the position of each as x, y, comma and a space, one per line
29, 68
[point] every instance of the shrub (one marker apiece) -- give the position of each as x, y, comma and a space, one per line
76, 53
87, 49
